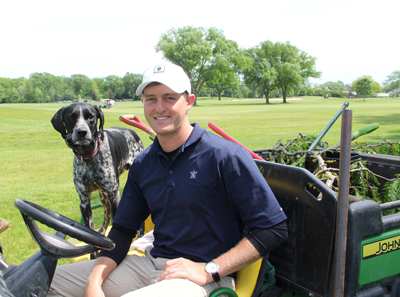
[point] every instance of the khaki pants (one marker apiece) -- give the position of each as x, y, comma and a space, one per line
135, 277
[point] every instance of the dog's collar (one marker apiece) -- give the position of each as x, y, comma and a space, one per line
93, 154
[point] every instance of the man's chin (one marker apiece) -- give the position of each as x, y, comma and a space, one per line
164, 131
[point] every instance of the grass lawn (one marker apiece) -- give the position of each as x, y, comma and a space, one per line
37, 165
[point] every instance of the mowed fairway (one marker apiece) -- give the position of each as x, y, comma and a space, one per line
37, 165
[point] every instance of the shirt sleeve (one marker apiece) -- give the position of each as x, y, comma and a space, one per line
122, 238
266, 240
249, 194
132, 210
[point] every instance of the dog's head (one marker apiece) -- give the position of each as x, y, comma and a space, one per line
77, 123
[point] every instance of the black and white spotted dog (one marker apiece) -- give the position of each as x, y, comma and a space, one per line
101, 156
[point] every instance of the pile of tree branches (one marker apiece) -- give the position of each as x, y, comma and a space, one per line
364, 183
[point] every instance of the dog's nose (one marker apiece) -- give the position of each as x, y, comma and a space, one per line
81, 133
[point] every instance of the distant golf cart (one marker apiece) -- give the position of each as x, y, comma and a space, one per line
106, 103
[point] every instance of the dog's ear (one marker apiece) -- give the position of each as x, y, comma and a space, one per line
100, 116
58, 122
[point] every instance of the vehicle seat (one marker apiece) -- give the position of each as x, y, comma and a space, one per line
250, 280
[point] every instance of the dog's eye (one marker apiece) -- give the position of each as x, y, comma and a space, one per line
90, 117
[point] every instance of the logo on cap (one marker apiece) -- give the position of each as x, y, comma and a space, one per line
159, 69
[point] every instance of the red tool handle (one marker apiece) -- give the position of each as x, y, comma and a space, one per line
226, 136
134, 121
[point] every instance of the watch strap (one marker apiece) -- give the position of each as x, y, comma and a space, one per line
216, 277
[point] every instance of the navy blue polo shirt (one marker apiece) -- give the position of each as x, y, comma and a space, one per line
201, 201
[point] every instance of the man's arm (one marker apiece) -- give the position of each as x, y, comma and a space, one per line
243, 254
109, 260
101, 270
238, 257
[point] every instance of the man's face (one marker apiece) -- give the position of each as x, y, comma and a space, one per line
165, 110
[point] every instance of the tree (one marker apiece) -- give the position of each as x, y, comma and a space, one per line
131, 82
221, 81
8, 93
293, 67
111, 95
260, 71
114, 83
81, 84
279, 65
392, 82
334, 86
94, 96
364, 86
376, 87
99, 81
31, 94
331, 88
43, 81
200, 53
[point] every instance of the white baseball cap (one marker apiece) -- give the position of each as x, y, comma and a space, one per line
171, 75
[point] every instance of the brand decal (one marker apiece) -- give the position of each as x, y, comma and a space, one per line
159, 69
193, 174
381, 247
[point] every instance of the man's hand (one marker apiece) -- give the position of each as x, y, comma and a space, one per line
183, 268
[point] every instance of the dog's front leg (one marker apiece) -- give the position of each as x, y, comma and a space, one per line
107, 211
114, 203
86, 210
87, 215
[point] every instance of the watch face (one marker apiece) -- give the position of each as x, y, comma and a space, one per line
212, 267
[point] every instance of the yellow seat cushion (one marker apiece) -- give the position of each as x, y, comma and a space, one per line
246, 279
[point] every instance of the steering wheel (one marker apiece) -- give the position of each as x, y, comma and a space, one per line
54, 245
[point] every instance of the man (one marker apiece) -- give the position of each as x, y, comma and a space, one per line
212, 209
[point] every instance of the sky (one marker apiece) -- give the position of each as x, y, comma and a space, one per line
349, 38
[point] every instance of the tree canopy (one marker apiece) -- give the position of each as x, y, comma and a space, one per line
260, 72
45, 87
203, 54
43, 81
279, 65
364, 86
392, 82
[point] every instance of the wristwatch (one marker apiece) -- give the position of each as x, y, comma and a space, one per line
212, 269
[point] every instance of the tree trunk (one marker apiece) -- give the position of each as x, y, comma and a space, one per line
266, 98
195, 100
195, 96
219, 96
284, 96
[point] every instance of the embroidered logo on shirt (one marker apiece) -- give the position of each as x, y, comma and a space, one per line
193, 174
